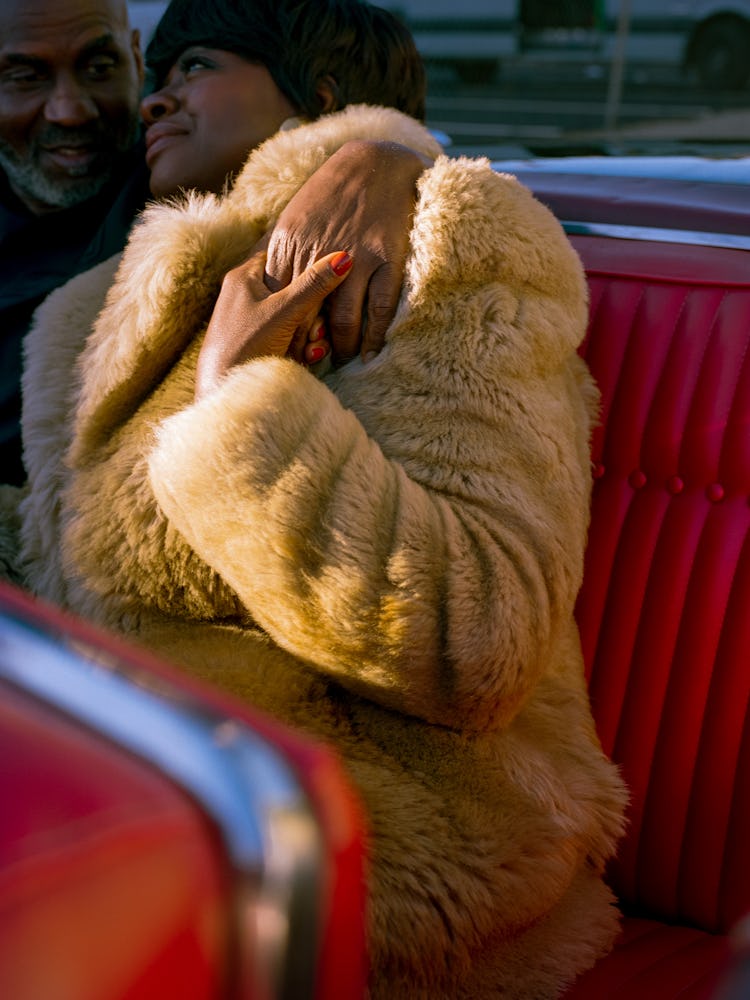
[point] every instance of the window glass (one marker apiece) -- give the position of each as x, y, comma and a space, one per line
548, 78
520, 79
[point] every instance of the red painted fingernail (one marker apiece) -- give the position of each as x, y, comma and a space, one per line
319, 333
317, 354
341, 262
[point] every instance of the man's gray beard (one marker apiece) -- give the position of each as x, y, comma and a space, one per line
28, 177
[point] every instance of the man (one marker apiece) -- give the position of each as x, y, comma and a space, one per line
72, 174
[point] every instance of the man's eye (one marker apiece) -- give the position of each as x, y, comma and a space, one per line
101, 67
23, 76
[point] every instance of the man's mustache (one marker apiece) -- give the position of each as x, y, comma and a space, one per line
74, 136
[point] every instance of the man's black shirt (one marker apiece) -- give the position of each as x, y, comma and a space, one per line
37, 254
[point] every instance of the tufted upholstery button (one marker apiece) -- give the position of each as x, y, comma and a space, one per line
675, 485
637, 479
715, 492
598, 470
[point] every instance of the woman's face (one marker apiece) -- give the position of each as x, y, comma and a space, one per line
213, 109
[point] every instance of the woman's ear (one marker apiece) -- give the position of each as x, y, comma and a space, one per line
327, 92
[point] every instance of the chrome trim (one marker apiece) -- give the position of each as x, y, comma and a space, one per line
691, 237
669, 167
243, 783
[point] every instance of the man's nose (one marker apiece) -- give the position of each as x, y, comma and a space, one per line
70, 103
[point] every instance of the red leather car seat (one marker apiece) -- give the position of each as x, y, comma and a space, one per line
664, 610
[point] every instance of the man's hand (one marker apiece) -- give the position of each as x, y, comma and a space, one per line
362, 198
249, 321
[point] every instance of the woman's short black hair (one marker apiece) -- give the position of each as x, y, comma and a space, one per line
365, 53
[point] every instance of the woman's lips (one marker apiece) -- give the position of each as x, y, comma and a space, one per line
158, 137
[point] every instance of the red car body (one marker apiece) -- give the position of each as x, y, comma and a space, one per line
158, 840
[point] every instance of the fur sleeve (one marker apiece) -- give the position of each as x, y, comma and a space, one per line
179, 251
10, 526
414, 527
52, 347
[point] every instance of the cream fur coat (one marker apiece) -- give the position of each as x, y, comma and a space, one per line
387, 557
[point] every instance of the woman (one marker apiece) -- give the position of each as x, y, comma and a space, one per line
386, 556
303, 61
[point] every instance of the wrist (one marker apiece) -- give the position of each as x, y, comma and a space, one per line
376, 151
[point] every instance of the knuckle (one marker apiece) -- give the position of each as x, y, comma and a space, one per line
317, 280
346, 331
278, 255
381, 312
235, 277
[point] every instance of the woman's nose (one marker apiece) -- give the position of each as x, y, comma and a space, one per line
157, 105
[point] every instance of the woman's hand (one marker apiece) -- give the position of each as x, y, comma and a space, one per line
249, 321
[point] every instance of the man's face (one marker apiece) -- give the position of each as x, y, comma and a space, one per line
70, 81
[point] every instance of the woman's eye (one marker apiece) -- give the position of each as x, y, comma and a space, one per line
193, 64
